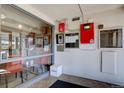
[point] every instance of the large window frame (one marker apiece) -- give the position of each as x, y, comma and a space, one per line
51, 53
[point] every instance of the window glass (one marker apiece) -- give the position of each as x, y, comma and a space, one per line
24, 40
111, 38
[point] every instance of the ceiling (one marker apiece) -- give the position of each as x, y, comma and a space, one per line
15, 19
60, 11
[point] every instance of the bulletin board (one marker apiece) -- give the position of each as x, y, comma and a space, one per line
72, 40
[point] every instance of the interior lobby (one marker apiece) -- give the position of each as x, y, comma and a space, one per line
61, 45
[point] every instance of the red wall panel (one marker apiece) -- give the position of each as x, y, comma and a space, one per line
61, 27
87, 33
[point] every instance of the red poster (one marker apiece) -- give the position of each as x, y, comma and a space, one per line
61, 27
87, 33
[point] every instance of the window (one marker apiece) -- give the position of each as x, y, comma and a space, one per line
23, 43
111, 38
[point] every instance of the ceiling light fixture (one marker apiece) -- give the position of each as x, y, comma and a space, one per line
20, 26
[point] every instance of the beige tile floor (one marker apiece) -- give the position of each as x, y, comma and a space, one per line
45, 81
13, 82
48, 81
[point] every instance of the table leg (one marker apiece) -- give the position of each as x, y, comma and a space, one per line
0, 78
21, 75
33, 68
16, 75
26, 74
6, 80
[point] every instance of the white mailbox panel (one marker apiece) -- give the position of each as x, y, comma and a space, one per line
109, 62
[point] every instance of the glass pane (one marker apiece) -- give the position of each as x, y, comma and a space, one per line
24, 42
16, 71
111, 38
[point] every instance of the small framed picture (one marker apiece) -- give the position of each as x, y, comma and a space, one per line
39, 42
4, 55
60, 38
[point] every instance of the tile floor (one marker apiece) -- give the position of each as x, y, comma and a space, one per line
48, 81
13, 82
45, 81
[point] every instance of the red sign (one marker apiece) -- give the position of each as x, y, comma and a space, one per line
87, 33
61, 27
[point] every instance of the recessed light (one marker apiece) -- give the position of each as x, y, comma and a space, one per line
2, 16
20, 26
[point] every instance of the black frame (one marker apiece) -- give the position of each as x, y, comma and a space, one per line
57, 38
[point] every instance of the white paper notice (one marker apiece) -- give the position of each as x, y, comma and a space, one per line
71, 39
68, 39
46, 48
76, 37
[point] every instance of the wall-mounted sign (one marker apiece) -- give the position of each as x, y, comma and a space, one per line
60, 42
87, 33
72, 40
87, 36
60, 38
61, 27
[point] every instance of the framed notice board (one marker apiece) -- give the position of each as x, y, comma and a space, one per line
72, 40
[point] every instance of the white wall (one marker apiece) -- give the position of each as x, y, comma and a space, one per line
87, 63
